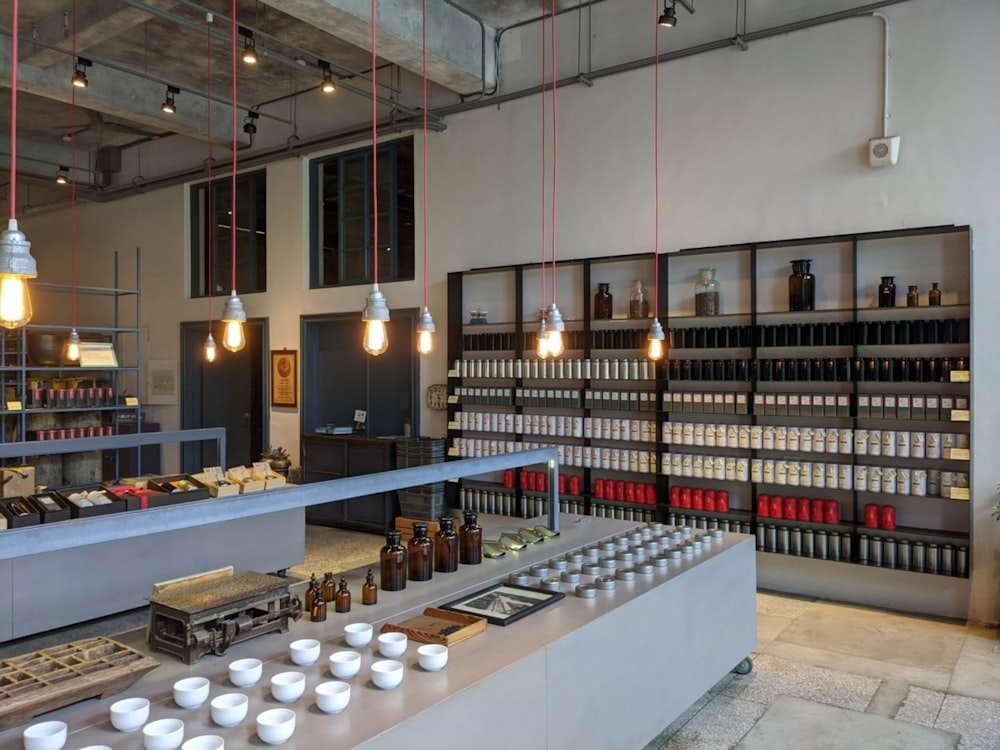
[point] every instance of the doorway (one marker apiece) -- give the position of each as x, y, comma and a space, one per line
227, 393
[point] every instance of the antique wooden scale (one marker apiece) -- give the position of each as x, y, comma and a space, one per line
209, 615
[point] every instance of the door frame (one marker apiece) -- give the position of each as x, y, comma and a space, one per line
191, 401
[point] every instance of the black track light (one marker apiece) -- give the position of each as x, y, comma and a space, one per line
169, 105
250, 123
62, 176
328, 85
80, 72
668, 19
249, 46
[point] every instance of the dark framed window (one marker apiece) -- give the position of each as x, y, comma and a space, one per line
340, 189
215, 232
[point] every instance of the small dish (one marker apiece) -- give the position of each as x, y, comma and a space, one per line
333, 697
129, 714
432, 656
276, 725
387, 673
345, 664
392, 645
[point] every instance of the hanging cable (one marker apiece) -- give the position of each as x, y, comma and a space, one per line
554, 320
73, 342
210, 348
655, 339
425, 325
542, 348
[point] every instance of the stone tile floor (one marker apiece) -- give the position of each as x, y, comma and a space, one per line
912, 672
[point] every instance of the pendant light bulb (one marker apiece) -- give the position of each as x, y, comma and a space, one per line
656, 341
234, 316
328, 86
73, 346
16, 266
210, 350
249, 49
425, 332
375, 317
542, 349
556, 328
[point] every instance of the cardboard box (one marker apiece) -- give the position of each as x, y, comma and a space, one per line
272, 479
215, 479
17, 481
242, 476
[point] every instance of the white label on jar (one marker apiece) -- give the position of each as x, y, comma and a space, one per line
889, 481
831, 475
718, 468
832, 440
665, 465
709, 436
508, 422
578, 455
606, 428
792, 473
805, 473
917, 445
781, 472
806, 440
733, 436
614, 462
633, 460
903, 481
730, 469
846, 440
933, 440
720, 434
769, 472
684, 433
616, 429
643, 462
903, 444
861, 479
677, 464
698, 434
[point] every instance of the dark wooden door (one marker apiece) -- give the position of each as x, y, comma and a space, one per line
226, 393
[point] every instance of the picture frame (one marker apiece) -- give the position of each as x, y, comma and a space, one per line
285, 378
504, 603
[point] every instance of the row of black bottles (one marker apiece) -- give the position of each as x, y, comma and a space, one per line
848, 333
422, 556
819, 369
619, 338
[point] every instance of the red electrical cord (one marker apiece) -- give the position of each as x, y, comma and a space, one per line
656, 168
544, 166
555, 149
424, 71
210, 224
232, 203
375, 148
72, 177
13, 116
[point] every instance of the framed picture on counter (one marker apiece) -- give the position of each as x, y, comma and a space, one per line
504, 603
285, 378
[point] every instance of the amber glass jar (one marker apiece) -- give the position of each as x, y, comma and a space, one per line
887, 292
329, 587
342, 599
470, 540
392, 559
311, 592
602, 302
934, 295
801, 287
369, 591
446, 546
420, 552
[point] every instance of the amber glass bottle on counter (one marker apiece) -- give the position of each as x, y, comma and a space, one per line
446, 546
317, 613
329, 587
369, 591
342, 599
311, 592
393, 563
470, 540
420, 552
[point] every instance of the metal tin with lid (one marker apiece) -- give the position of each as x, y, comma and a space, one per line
674, 554
608, 563
656, 527
661, 561
652, 547
550, 584
590, 569
635, 537
586, 591
539, 570
574, 557
607, 546
625, 556
644, 568
591, 553
688, 549
571, 575
718, 534
605, 583
625, 574
558, 563
518, 579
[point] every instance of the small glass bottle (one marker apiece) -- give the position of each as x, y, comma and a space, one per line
446, 546
470, 540
801, 286
329, 587
317, 612
707, 293
602, 302
311, 591
420, 552
887, 292
934, 296
638, 305
912, 296
342, 599
392, 559
369, 591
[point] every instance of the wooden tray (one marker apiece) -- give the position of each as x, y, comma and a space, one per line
438, 626
41, 681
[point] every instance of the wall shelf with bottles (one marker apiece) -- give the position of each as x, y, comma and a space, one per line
47, 398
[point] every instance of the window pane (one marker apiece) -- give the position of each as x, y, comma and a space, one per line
355, 268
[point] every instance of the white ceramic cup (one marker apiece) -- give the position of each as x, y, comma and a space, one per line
47, 735
344, 664
358, 634
387, 673
244, 673
163, 734
191, 692
332, 697
276, 725
288, 687
392, 645
205, 742
304, 651
432, 656
129, 714
229, 709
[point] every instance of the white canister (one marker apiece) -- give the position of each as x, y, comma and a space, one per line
805, 474
918, 483
685, 434
768, 472
695, 466
888, 444
904, 481
519, 424
819, 440
917, 445
733, 436
633, 460
793, 473
666, 432
742, 470
508, 422
768, 440
874, 442
665, 465
861, 479
875, 479
831, 476
756, 437
644, 461
730, 469
718, 468
577, 455
756, 470
743, 438
606, 424
933, 446
845, 476
794, 440
606, 458
846, 440
933, 483
781, 439
588, 457
902, 446
889, 480
698, 434
781, 472
832, 440
806, 440
614, 459
616, 429
818, 475
720, 434
861, 442
677, 464
588, 427
709, 436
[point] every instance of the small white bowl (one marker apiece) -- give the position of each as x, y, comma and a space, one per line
288, 686
392, 645
49, 735
276, 725
163, 734
97, 747
191, 692
304, 651
229, 709
387, 673
244, 673
333, 697
358, 634
432, 656
345, 664
129, 714
205, 742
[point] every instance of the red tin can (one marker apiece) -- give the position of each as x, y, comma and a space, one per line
887, 517
818, 511
574, 485
763, 505
598, 487
710, 500
722, 501
831, 511
508, 478
871, 516
791, 508
698, 498
685, 497
777, 506
651, 493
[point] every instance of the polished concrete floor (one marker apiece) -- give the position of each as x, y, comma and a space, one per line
826, 675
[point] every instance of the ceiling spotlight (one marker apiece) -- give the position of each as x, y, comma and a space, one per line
669, 17
169, 105
80, 72
250, 122
249, 46
62, 176
328, 86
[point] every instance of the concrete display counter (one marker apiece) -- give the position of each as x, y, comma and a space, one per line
607, 672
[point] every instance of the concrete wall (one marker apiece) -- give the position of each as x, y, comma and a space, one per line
757, 145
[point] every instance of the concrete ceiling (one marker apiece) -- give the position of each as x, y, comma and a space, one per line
139, 47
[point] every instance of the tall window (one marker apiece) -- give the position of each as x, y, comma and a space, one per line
215, 232
341, 194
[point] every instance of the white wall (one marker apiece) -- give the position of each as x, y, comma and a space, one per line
757, 145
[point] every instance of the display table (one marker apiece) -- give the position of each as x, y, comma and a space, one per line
583, 673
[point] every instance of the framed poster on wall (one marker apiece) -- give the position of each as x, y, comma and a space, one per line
285, 378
